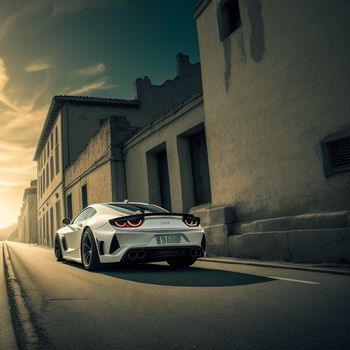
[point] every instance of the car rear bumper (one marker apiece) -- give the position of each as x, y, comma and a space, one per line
152, 254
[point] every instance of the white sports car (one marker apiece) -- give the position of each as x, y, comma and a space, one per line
130, 232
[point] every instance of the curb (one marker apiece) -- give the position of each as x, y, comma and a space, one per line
21, 319
345, 271
7, 333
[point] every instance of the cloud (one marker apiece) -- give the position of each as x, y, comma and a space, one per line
20, 126
92, 70
70, 6
37, 67
25, 11
4, 79
97, 85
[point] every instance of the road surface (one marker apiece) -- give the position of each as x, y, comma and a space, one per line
152, 306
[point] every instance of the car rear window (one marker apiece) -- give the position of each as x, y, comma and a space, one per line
131, 209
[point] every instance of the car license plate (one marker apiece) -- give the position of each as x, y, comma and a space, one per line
168, 239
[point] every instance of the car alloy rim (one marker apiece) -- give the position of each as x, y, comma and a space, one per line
57, 248
87, 250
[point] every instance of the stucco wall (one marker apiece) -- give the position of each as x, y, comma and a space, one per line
272, 90
27, 219
92, 168
163, 131
84, 122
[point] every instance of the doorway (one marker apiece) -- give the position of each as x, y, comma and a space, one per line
200, 169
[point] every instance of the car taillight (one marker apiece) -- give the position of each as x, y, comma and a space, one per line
135, 222
122, 223
191, 221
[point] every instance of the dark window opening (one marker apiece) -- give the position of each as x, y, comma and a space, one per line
56, 136
84, 198
69, 207
336, 155
51, 168
57, 161
229, 18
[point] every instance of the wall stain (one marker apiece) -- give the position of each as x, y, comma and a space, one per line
257, 40
227, 53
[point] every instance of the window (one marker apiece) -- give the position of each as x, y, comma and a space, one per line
56, 136
84, 198
47, 175
82, 216
229, 18
69, 206
51, 168
51, 227
336, 152
92, 213
51, 141
44, 180
131, 208
57, 160
58, 214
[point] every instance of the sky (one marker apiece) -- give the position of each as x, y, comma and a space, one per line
79, 47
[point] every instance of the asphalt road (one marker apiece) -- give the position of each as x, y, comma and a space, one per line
152, 306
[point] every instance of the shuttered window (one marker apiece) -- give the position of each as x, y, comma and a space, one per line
336, 153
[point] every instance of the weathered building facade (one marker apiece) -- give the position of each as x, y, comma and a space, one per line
70, 123
262, 154
72, 126
277, 105
166, 162
27, 231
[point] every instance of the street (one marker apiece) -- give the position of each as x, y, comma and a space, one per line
152, 306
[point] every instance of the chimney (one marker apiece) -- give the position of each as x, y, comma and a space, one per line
182, 64
141, 85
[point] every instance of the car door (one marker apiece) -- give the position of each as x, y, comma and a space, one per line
73, 235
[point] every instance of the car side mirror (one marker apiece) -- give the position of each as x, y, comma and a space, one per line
66, 221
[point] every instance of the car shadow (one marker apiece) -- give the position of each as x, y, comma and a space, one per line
165, 275
181, 277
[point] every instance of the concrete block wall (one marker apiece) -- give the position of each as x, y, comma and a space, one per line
312, 238
218, 225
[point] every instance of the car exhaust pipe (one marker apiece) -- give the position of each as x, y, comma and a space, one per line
132, 255
140, 254
193, 252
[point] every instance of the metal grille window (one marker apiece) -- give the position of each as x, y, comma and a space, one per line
336, 154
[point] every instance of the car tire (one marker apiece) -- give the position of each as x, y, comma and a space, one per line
89, 254
58, 249
184, 262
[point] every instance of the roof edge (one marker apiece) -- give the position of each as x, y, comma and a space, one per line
56, 104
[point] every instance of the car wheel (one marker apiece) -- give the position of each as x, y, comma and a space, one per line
89, 254
184, 262
58, 250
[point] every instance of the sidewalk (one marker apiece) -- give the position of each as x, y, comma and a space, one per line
337, 269
7, 337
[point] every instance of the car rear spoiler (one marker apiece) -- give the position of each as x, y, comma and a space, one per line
142, 215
